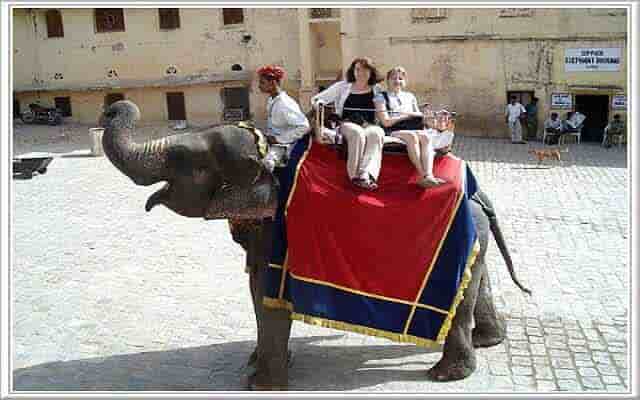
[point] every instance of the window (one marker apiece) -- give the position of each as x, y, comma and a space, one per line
428, 14
236, 103
175, 106
169, 18
515, 12
64, 104
112, 98
54, 24
232, 16
109, 20
324, 13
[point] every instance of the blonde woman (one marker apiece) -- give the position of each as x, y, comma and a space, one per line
399, 113
353, 101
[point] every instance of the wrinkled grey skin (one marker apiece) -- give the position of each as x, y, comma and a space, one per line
204, 169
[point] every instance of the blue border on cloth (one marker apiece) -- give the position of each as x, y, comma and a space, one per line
441, 288
286, 177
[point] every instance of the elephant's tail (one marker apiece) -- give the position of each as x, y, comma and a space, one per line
484, 202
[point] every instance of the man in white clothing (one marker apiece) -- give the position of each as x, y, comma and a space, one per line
286, 122
512, 114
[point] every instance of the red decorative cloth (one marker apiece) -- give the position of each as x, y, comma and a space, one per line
379, 243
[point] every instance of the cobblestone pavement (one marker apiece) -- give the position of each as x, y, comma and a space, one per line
108, 297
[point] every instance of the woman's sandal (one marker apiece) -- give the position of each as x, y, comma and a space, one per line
364, 183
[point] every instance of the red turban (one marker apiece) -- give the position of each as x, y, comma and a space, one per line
272, 72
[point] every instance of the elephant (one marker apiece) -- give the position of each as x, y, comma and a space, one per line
215, 173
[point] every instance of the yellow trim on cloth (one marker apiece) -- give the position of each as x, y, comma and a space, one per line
436, 254
466, 278
347, 327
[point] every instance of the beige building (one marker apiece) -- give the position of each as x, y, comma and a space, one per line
196, 64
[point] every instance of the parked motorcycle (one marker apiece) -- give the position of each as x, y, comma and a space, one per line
38, 114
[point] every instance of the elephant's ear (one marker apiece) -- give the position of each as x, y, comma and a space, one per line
237, 156
249, 189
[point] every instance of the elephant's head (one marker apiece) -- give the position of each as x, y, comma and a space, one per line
213, 174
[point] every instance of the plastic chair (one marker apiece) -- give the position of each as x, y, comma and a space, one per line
577, 134
546, 134
615, 138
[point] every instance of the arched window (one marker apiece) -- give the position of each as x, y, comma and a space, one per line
54, 24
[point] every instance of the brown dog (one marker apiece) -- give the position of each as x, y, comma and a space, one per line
551, 154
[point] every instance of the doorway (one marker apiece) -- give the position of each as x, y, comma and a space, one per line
175, 106
522, 97
596, 109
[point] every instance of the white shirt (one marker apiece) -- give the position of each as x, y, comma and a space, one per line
401, 101
337, 94
551, 123
513, 111
576, 120
285, 120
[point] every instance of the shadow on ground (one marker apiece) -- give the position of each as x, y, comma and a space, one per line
222, 367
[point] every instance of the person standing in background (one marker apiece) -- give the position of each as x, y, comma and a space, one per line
512, 115
532, 119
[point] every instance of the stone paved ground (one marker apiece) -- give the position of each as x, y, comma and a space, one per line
108, 297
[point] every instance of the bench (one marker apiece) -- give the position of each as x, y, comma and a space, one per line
440, 120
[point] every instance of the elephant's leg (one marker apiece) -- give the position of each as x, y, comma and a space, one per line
272, 355
458, 358
274, 329
257, 308
490, 327
254, 258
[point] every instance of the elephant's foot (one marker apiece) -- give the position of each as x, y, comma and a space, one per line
489, 333
254, 384
487, 338
254, 357
448, 369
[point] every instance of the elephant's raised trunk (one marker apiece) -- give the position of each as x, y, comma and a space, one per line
144, 163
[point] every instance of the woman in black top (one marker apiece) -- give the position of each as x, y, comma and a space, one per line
353, 100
